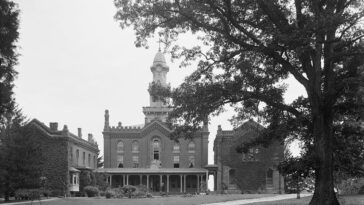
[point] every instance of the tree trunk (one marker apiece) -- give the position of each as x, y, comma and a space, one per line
322, 130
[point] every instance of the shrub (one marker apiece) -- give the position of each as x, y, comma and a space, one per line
351, 186
91, 191
57, 193
47, 193
149, 195
128, 190
110, 193
28, 194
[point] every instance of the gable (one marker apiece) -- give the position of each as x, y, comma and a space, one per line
156, 125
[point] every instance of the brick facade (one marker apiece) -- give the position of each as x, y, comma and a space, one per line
146, 155
58, 165
255, 171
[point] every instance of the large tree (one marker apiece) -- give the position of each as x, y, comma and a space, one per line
9, 23
20, 156
249, 47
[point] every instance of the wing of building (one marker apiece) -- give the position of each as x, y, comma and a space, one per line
252, 172
144, 154
64, 155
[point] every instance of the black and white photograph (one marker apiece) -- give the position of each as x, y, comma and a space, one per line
182, 102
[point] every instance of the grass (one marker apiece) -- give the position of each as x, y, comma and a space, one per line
174, 200
344, 200
179, 200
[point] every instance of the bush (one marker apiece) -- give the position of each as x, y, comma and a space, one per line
110, 193
149, 195
57, 193
47, 193
28, 194
91, 191
351, 186
128, 190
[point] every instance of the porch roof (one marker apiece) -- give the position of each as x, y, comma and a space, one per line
152, 171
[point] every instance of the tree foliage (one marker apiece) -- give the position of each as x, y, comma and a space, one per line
9, 23
20, 156
247, 48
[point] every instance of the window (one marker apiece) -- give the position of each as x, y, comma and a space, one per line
95, 165
71, 154
120, 161
191, 147
89, 160
77, 156
176, 161
269, 179
251, 155
83, 158
176, 147
191, 160
135, 161
156, 149
120, 147
135, 147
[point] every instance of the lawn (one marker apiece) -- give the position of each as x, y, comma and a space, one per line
344, 200
175, 200
179, 200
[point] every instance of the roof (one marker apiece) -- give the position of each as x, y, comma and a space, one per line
72, 169
152, 171
159, 58
62, 134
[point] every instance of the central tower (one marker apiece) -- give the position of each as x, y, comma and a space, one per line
157, 110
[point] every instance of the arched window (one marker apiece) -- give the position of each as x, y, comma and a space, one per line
269, 181
191, 162
135, 147
120, 147
120, 161
156, 149
176, 147
191, 147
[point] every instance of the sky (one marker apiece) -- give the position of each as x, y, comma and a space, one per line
75, 62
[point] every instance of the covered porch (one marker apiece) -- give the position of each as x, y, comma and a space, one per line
169, 180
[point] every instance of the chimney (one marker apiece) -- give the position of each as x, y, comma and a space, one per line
79, 132
90, 138
53, 126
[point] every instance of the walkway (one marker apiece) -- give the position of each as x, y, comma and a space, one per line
264, 199
29, 202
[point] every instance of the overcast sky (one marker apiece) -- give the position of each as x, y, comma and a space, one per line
76, 62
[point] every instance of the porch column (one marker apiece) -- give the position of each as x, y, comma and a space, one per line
180, 176
110, 180
160, 183
141, 179
124, 180
148, 182
167, 183
184, 182
198, 183
127, 179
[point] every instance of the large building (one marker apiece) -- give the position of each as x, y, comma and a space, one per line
252, 172
135, 155
64, 155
